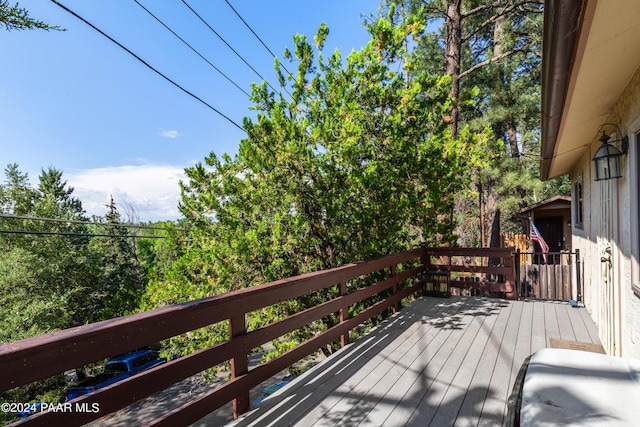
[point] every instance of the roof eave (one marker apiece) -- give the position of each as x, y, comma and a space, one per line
562, 23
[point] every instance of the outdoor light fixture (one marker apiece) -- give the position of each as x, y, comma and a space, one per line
607, 158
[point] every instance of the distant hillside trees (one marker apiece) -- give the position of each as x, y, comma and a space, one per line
55, 274
59, 270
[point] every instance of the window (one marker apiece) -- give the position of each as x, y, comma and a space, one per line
144, 359
116, 367
578, 204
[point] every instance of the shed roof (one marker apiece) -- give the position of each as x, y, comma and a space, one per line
556, 202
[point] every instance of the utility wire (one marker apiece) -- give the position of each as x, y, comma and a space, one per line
76, 221
192, 48
60, 233
257, 36
228, 45
146, 64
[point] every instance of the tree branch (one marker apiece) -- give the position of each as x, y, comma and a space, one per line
492, 19
491, 60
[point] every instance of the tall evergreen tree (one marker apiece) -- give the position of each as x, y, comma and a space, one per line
121, 279
42, 276
16, 196
492, 50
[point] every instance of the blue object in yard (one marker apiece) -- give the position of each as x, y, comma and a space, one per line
258, 400
573, 303
31, 409
269, 390
118, 369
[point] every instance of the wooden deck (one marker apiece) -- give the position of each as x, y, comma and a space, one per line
438, 362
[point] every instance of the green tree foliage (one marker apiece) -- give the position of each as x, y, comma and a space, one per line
492, 50
17, 18
15, 195
39, 279
54, 274
120, 277
358, 163
67, 274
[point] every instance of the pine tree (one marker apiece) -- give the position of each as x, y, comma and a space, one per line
17, 18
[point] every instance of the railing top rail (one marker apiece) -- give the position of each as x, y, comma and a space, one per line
479, 252
548, 253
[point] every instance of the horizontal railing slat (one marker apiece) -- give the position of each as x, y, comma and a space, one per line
482, 285
471, 268
472, 252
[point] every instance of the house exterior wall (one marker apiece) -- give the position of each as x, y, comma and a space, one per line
616, 313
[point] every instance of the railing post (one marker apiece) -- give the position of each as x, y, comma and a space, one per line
509, 278
344, 314
394, 290
426, 264
239, 363
578, 276
426, 258
516, 262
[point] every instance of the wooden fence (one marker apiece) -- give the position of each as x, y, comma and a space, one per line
517, 241
23, 362
549, 276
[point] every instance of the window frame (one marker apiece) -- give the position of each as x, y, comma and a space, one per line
634, 174
578, 206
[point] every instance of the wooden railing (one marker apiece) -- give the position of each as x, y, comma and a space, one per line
23, 362
488, 262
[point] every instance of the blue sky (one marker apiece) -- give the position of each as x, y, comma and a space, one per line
76, 101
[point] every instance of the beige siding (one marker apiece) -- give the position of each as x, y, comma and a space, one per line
626, 114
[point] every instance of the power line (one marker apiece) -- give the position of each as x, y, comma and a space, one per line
228, 45
146, 64
257, 36
192, 48
76, 221
60, 233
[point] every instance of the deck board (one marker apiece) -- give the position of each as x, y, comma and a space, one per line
434, 401
436, 362
494, 406
564, 323
538, 338
479, 386
449, 410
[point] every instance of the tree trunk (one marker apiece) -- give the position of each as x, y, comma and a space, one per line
481, 206
512, 136
453, 22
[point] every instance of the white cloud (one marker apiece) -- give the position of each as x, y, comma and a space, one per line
153, 191
169, 133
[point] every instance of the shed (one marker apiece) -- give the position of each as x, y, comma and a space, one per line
552, 217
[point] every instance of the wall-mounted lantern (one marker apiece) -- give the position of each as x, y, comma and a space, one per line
607, 159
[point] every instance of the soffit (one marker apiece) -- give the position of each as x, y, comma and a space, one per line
608, 55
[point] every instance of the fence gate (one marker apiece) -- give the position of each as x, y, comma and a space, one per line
550, 275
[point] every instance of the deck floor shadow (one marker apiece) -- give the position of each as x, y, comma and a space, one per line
436, 362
